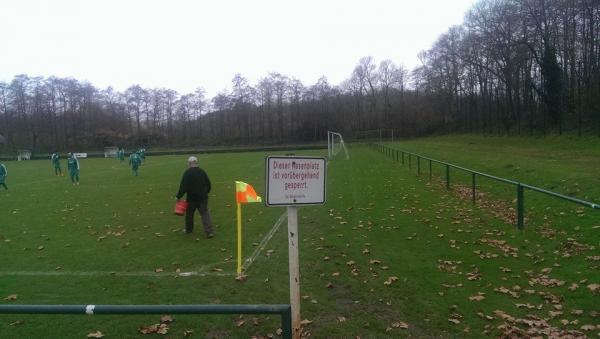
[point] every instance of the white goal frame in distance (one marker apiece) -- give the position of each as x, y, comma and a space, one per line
331, 145
110, 152
23, 154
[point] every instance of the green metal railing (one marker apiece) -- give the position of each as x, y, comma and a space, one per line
282, 309
399, 155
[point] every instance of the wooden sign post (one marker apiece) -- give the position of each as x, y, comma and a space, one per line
293, 181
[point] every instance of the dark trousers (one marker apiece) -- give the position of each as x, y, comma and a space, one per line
202, 207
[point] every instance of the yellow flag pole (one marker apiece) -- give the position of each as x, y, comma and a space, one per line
239, 238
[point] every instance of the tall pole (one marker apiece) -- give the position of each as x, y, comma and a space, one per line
293, 242
239, 238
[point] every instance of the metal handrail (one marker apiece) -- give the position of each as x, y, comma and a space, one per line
520, 186
282, 309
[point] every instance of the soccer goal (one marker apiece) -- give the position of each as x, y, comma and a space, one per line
375, 134
110, 152
335, 144
23, 154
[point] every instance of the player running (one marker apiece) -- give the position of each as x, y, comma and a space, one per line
135, 161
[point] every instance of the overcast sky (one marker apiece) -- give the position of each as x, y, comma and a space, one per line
185, 44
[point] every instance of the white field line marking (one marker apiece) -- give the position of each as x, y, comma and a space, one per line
248, 262
203, 271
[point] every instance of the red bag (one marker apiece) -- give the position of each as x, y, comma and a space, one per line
180, 207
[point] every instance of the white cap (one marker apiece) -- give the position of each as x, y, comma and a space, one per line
192, 159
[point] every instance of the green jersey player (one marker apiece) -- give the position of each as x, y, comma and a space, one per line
3, 174
56, 162
135, 161
73, 167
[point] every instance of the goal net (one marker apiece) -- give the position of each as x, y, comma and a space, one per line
335, 144
375, 134
23, 154
110, 152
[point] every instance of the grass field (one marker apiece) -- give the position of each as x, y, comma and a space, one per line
389, 254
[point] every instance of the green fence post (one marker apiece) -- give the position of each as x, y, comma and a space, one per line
286, 323
429, 169
409, 161
402, 157
447, 176
418, 165
473, 186
520, 204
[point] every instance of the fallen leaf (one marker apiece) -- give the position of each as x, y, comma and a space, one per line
577, 312
477, 298
588, 327
306, 322
400, 324
96, 334
162, 329
390, 281
240, 323
166, 319
158, 270
484, 316
454, 321
188, 333
11, 297
148, 329
593, 287
340, 319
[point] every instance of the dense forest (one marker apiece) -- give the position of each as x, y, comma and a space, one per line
513, 67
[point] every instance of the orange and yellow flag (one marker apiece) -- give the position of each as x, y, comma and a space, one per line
245, 193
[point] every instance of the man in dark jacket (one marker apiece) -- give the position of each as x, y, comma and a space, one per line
196, 185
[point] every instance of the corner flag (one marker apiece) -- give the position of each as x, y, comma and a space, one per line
244, 193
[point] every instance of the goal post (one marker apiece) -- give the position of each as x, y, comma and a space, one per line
23, 154
335, 144
110, 152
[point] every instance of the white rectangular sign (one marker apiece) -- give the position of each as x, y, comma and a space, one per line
295, 180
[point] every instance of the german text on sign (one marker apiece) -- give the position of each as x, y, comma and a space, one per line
295, 180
